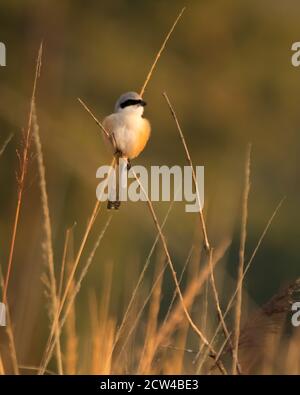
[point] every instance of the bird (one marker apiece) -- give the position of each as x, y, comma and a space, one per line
127, 132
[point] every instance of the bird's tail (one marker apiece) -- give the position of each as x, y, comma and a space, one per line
114, 202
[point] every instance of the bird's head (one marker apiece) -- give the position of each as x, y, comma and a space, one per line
130, 102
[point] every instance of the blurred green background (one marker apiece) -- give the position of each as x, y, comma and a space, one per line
227, 70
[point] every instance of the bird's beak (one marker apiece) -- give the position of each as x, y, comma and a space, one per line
143, 103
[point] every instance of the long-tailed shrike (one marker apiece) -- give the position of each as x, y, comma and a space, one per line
129, 131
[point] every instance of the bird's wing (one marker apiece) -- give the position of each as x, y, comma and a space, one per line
109, 123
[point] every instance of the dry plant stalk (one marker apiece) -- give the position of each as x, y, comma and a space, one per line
142, 91
47, 246
189, 159
5, 144
71, 352
238, 308
24, 158
10, 335
1, 367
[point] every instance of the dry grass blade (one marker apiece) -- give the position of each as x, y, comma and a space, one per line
238, 309
10, 334
24, 158
47, 246
108, 135
142, 91
71, 344
186, 263
2, 372
5, 144
189, 159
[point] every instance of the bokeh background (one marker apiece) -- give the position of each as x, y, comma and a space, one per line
227, 70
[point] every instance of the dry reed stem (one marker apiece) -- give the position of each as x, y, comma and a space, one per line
63, 263
187, 261
23, 171
73, 294
12, 346
5, 144
2, 372
189, 159
47, 246
71, 353
36, 369
9, 332
238, 309
142, 91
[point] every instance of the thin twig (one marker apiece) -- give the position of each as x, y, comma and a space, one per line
142, 91
189, 159
6, 142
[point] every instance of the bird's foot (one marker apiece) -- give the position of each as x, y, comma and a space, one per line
113, 205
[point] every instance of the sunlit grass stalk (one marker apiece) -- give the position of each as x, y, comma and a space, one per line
238, 307
189, 160
47, 245
10, 334
23, 158
5, 144
152, 68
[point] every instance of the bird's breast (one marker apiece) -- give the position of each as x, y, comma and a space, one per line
131, 134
